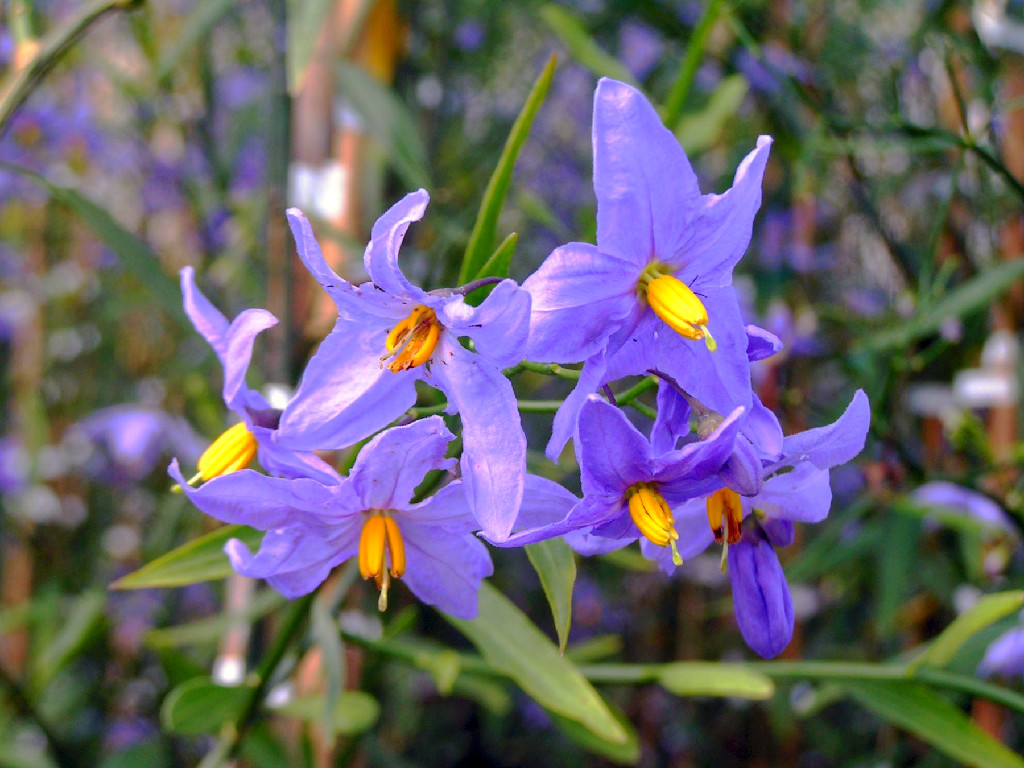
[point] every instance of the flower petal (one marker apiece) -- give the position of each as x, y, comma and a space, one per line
764, 609
647, 193
498, 327
964, 502
672, 421
393, 463
567, 416
803, 495
293, 560
445, 567
761, 344
613, 455
697, 464
346, 394
286, 462
449, 507
494, 454
237, 353
578, 296
206, 318
835, 444
588, 544
709, 248
1005, 656
761, 427
381, 256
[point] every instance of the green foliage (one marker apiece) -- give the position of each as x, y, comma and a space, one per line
988, 610
555, 564
202, 706
582, 46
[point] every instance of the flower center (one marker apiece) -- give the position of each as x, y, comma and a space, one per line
725, 513
651, 514
413, 340
232, 451
381, 536
674, 302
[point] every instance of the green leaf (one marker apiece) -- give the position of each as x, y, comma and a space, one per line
916, 708
79, 624
556, 566
387, 121
134, 253
355, 712
197, 26
700, 130
305, 20
988, 610
211, 630
708, 678
977, 293
484, 236
200, 560
894, 569
688, 66
582, 46
627, 753
200, 705
496, 266
512, 644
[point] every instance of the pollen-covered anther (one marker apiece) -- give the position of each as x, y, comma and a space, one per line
674, 302
653, 518
725, 514
413, 340
381, 537
232, 451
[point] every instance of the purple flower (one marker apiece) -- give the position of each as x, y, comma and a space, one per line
631, 489
1005, 656
391, 334
761, 599
233, 343
316, 522
961, 501
655, 293
132, 439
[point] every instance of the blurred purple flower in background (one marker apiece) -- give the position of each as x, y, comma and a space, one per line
956, 499
1005, 656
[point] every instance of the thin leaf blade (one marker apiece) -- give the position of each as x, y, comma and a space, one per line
556, 567
582, 46
988, 610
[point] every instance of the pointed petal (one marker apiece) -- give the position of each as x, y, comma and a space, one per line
236, 353
206, 318
835, 444
445, 568
381, 256
293, 560
579, 296
494, 454
803, 495
761, 344
498, 327
567, 416
590, 511
613, 455
346, 394
672, 421
647, 193
710, 247
250, 498
310, 253
393, 463
764, 609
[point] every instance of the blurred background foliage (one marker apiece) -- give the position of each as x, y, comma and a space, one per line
887, 256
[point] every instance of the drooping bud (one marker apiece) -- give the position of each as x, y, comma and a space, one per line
760, 594
413, 340
232, 451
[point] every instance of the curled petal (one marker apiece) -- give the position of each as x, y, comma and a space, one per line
764, 609
835, 444
381, 256
761, 344
236, 355
206, 318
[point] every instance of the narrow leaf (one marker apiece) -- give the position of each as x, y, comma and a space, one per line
305, 20
976, 294
79, 623
556, 566
484, 236
688, 66
582, 46
627, 753
200, 705
916, 708
387, 120
512, 644
699, 130
706, 678
200, 560
988, 610
496, 266
133, 252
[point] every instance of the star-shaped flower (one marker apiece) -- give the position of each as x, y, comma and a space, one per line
316, 522
655, 293
390, 334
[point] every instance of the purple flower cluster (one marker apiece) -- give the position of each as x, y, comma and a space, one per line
654, 296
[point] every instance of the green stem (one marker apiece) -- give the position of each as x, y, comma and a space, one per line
549, 369
688, 68
234, 731
539, 406
636, 390
53, 48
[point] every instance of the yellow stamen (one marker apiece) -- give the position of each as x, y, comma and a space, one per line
413, 340
674, 302
725, 514
381, 536
232, 451
653, 518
